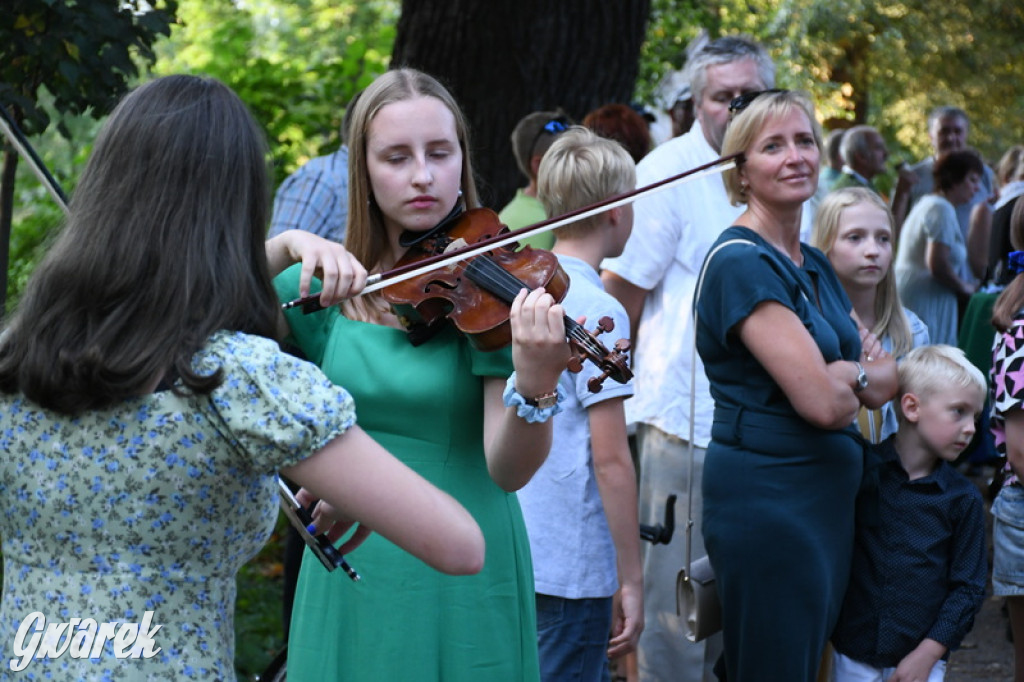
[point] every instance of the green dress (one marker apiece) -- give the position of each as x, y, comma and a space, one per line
779, 493
403, 620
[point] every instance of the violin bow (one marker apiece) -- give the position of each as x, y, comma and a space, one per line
9, 127
381, 280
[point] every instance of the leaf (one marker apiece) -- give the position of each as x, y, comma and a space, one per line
71, 49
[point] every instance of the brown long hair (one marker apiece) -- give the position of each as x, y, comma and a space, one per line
365, 235
164, 245
1011, 301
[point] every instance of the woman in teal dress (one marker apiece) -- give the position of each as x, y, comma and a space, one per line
788, 375
439, 405
146, 408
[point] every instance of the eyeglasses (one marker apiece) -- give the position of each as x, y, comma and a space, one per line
552, 127
744, 100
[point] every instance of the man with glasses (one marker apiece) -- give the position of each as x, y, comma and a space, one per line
531, 138
655, 278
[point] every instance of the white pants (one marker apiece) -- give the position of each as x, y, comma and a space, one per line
664, 654
845, 669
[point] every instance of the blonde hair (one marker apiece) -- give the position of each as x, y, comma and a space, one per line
747, 124
926, 370
365, 235
1011, 165
582, 168
890, 320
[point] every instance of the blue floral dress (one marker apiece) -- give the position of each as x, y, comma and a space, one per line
153, 505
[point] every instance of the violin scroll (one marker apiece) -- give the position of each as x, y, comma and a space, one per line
614, 363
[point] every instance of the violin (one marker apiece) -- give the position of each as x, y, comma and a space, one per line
475, 293
429, 310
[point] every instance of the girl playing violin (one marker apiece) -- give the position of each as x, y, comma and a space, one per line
145, 406
445, 408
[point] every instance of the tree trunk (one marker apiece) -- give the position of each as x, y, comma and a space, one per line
10, 166
503, 59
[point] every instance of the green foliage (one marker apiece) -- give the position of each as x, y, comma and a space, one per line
33, 230
259, 632
84, 52
36, 215
888, 64
673, 24
864, 61
79, 55
296, 64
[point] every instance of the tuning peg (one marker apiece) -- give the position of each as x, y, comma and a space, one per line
575, 364
605, 324
596, 383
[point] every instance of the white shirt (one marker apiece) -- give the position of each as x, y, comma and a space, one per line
672, 232
1008, 193
925, 185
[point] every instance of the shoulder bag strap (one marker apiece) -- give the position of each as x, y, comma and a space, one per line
693, 395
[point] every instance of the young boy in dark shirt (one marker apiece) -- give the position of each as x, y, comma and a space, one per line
919, 563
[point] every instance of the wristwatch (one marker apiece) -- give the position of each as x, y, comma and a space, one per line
862, 378
545, 400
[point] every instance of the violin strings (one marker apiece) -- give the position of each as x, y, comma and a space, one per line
502, 283
494, 278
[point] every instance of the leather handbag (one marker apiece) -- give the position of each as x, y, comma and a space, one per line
697, 600
696, 591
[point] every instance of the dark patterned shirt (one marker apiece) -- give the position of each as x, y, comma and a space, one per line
919, 567
1007, 382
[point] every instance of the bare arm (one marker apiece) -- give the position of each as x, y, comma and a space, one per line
616, 481
901, 198
628, 294
362, 481
820, 393
342, 275
978, 238
515, 448
937, 258
883, 376
1015, 441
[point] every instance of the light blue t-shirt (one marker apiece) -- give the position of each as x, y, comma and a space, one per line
573, 553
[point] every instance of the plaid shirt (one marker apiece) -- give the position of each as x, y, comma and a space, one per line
314, 198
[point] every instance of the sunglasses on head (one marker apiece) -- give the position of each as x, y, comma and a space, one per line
744, 100
552, 127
